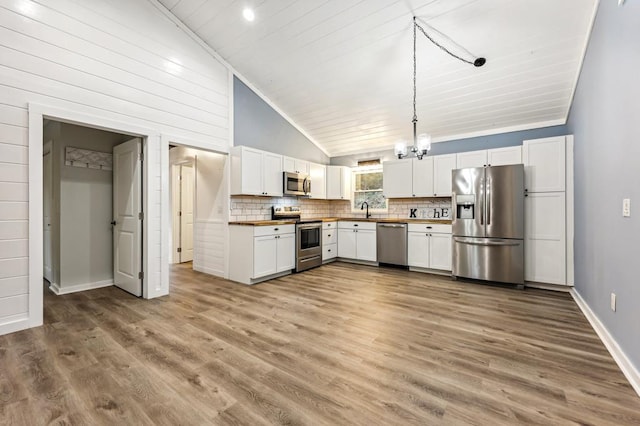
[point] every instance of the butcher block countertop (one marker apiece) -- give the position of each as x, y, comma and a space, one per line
335, 219
264, 222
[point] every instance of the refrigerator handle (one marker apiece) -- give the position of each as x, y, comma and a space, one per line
481, 199
488, 201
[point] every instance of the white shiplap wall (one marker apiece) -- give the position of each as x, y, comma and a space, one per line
122, 60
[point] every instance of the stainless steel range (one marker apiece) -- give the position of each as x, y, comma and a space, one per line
308, 237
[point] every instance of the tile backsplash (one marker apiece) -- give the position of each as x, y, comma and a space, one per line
259, 208
400, 208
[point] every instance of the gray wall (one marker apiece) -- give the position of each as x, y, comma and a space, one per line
460, 145
257, 125
605, 120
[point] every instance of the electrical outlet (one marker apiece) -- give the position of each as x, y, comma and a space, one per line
626, 207
613, 302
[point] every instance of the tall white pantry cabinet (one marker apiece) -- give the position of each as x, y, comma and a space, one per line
549, 210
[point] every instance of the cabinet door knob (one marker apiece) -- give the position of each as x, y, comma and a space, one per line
276, 229
329, 250
355, 224
429, 227
328, 235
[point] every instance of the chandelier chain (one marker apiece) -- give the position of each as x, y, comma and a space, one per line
444, 49
415, 117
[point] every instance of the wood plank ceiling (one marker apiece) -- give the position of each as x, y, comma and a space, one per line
342, 69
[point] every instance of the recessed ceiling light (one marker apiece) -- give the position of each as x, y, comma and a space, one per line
248, 14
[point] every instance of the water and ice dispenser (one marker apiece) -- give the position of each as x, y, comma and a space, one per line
465, 206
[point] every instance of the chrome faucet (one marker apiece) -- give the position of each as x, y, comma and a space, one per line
368, 215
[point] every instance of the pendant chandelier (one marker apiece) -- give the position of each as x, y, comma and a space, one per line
422, 142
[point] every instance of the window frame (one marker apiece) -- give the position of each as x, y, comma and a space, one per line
363, 170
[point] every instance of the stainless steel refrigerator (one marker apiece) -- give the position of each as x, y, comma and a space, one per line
488, 223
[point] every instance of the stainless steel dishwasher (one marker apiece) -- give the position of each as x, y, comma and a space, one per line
392, 243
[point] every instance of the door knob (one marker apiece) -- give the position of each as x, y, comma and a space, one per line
113, 222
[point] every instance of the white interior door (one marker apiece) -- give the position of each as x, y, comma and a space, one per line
127, 209
47, 203
186, 212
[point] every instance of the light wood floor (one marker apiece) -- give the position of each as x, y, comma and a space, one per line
340, 344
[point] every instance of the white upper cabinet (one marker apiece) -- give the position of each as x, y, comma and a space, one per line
295, 165
443, 165
544, 161
490, 157
466, 160
422, 179
504, 156
338, 183
272, 174
397, 178
408, 178
318, 175
255, 172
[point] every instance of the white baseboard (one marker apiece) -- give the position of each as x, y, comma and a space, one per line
210, 271
545, 286
628, 369
54, 287
14, 323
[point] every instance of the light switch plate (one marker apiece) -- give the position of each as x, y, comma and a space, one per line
626, 207
613, 302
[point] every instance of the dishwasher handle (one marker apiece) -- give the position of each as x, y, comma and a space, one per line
392, 225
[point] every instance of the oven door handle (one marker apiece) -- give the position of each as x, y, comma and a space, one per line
310, 226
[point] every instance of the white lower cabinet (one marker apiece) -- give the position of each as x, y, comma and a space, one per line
265, 257
285, 252
257, 253
418, 249
429, 246
440, 251
357, 240
329, 252
347, 243
329, 241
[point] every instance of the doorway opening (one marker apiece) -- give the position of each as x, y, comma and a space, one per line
92, 208
199, 203
182, 206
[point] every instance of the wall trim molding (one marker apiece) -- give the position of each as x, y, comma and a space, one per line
481, 133
79, 287
551, 287
14, 323
210, 271
582, 57
628, 369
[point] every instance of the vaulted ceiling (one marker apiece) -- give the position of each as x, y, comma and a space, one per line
342, 69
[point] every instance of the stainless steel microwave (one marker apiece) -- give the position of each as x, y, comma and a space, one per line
296, 184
